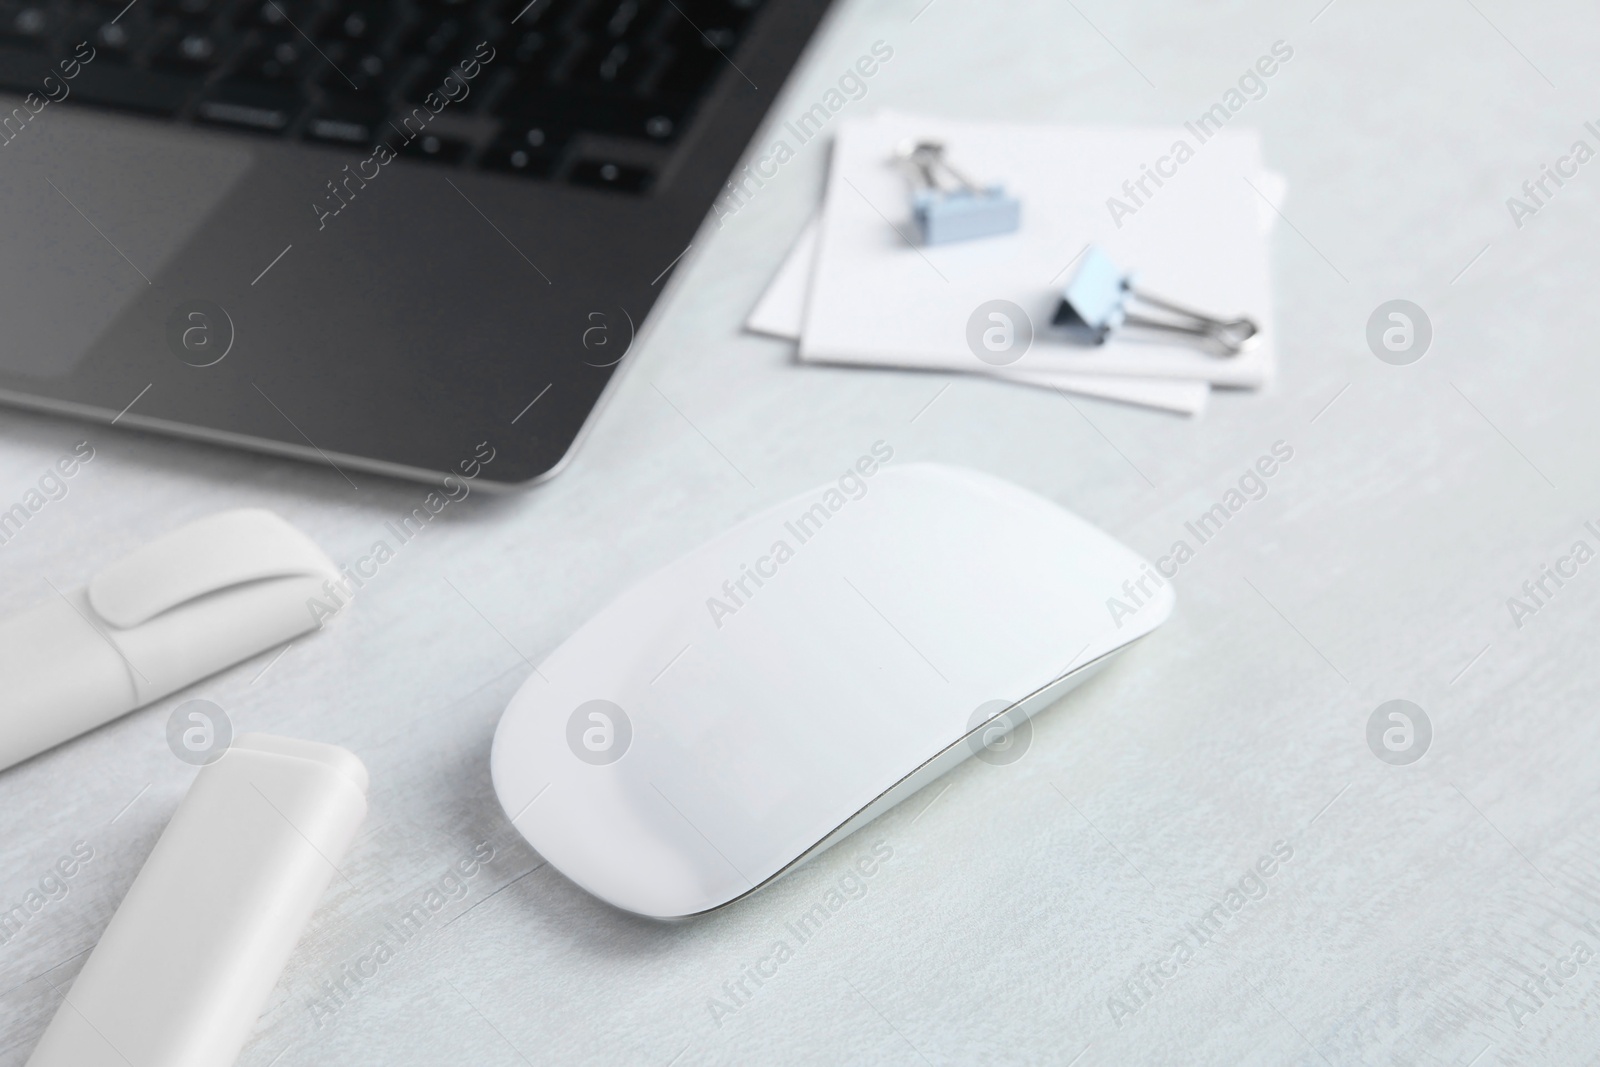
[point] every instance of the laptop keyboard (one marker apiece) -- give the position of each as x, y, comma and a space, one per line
503, 85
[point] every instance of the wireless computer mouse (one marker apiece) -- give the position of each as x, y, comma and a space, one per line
780, 687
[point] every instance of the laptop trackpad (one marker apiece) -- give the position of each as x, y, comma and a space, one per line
96, 206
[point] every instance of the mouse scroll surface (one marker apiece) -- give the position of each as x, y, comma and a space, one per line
736, 707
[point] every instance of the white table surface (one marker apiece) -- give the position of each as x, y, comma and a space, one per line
1018, 899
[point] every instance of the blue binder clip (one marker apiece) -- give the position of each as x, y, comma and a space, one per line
948, 206
1095, 304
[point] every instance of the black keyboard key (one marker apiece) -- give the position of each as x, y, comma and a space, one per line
647, 120
535, 136
523, 15
532, 92
358, 25
486, 33
187, 10
27, 25
568, 56
720, 39
275, 59
277, 15
424, 80
527, 49
252, 106
438, 149
615, 114
352, 66
112, 85
529, 150
623, 16
514, 159
443, 80
658, 62
113, 42
617, 65
685, 71
349, 120
434, 37
196, 52
606, 175
363, 71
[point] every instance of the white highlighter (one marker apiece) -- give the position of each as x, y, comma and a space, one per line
180, 975
184, 606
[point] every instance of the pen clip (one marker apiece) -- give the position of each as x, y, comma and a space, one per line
206, 556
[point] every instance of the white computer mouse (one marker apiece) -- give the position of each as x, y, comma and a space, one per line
778, 688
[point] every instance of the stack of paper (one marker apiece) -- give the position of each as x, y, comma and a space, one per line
1190, 216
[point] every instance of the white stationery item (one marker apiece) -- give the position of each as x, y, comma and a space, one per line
182, 972
186, 605
947, 205
1102, 300
784, 684
781, 311
1179, 210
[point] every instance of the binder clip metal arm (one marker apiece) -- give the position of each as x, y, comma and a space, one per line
947, 205
1096, 303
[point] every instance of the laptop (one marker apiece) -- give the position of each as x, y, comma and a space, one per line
379, 235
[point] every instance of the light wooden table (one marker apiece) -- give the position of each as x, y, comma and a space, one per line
1023, 906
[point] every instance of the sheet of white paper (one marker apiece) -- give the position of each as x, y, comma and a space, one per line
1168, 394
782, 307
876, 299
781, 310
1275, 188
